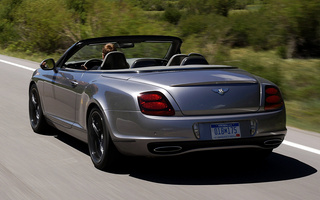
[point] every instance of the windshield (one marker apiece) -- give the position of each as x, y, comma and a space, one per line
147, 50
130, 50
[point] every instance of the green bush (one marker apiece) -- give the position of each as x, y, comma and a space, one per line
192, 24
7, 24
263, 64
298, 24
150, 5
172, 15
270, 71
41, 25
282, 52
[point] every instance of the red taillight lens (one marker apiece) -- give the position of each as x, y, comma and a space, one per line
273, 99
271, 90
155, 103
151, 97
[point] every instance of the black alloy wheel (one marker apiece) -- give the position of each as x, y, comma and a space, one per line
37, 120
101, 148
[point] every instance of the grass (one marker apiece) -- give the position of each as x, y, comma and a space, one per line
298, 79
37, 57
304, 115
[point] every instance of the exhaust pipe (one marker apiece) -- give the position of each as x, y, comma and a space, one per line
273, 142
167, 149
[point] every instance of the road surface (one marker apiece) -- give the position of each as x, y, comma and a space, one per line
34, 166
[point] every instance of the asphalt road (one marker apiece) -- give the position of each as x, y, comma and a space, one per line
56, 166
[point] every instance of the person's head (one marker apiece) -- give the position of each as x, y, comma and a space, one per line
108, 48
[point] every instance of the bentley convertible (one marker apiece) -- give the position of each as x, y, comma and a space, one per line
148, 99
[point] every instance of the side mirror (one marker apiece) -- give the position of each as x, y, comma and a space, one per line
48, 64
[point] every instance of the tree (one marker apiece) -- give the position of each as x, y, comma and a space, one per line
172, 15
40, 25
222, 7
7, 29
297, 24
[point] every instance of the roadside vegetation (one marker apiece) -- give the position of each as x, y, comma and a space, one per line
275, 39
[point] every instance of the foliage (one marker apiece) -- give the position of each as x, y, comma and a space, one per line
263, 64
298, 79
298, 25
215, 28
304, 115
221, 7
150, 5
78, 7
43, 33
53, 25
193, 25
290, 26
7, 26
172, 15
242, 4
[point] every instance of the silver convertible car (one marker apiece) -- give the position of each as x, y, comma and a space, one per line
148, 99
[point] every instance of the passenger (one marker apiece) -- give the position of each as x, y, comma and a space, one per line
108, 48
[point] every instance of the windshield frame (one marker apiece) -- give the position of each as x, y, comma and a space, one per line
173, 49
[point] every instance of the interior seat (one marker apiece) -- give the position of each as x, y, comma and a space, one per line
176, 59
195, 54
144, 63
194, 60
114, 60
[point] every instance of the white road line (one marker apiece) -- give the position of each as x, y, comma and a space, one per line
17, 65
302, 147
292, 144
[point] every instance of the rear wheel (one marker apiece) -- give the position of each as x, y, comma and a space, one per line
102, 150
37, 119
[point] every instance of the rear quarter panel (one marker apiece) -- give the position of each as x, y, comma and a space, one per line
118, 98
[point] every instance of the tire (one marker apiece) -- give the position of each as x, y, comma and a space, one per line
37, 119
101, 148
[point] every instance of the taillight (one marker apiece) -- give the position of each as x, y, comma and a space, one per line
273, 99
155, 103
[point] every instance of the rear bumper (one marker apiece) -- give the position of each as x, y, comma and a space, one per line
146, 147
141, 135
167, 148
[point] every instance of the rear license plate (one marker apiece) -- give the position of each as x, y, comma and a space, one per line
225, 131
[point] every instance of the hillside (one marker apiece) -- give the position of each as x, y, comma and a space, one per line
276, 39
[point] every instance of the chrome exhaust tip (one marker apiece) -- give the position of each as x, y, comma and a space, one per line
273, 142
167, 149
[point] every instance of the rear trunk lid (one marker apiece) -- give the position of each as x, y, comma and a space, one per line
209, 91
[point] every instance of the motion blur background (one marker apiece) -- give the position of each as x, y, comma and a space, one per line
275, 39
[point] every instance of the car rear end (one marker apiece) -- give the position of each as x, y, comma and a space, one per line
201, 109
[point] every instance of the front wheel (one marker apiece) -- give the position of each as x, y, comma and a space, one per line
101, 148
37, 119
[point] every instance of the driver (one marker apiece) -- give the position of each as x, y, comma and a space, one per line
108, 48
105, 50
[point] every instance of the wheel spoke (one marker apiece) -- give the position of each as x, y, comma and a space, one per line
96, 131
97, 136
34, 101
37, 112
101, 144
35, 109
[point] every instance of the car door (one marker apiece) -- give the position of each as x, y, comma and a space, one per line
60, 96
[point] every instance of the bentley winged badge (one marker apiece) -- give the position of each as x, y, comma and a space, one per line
221, 91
